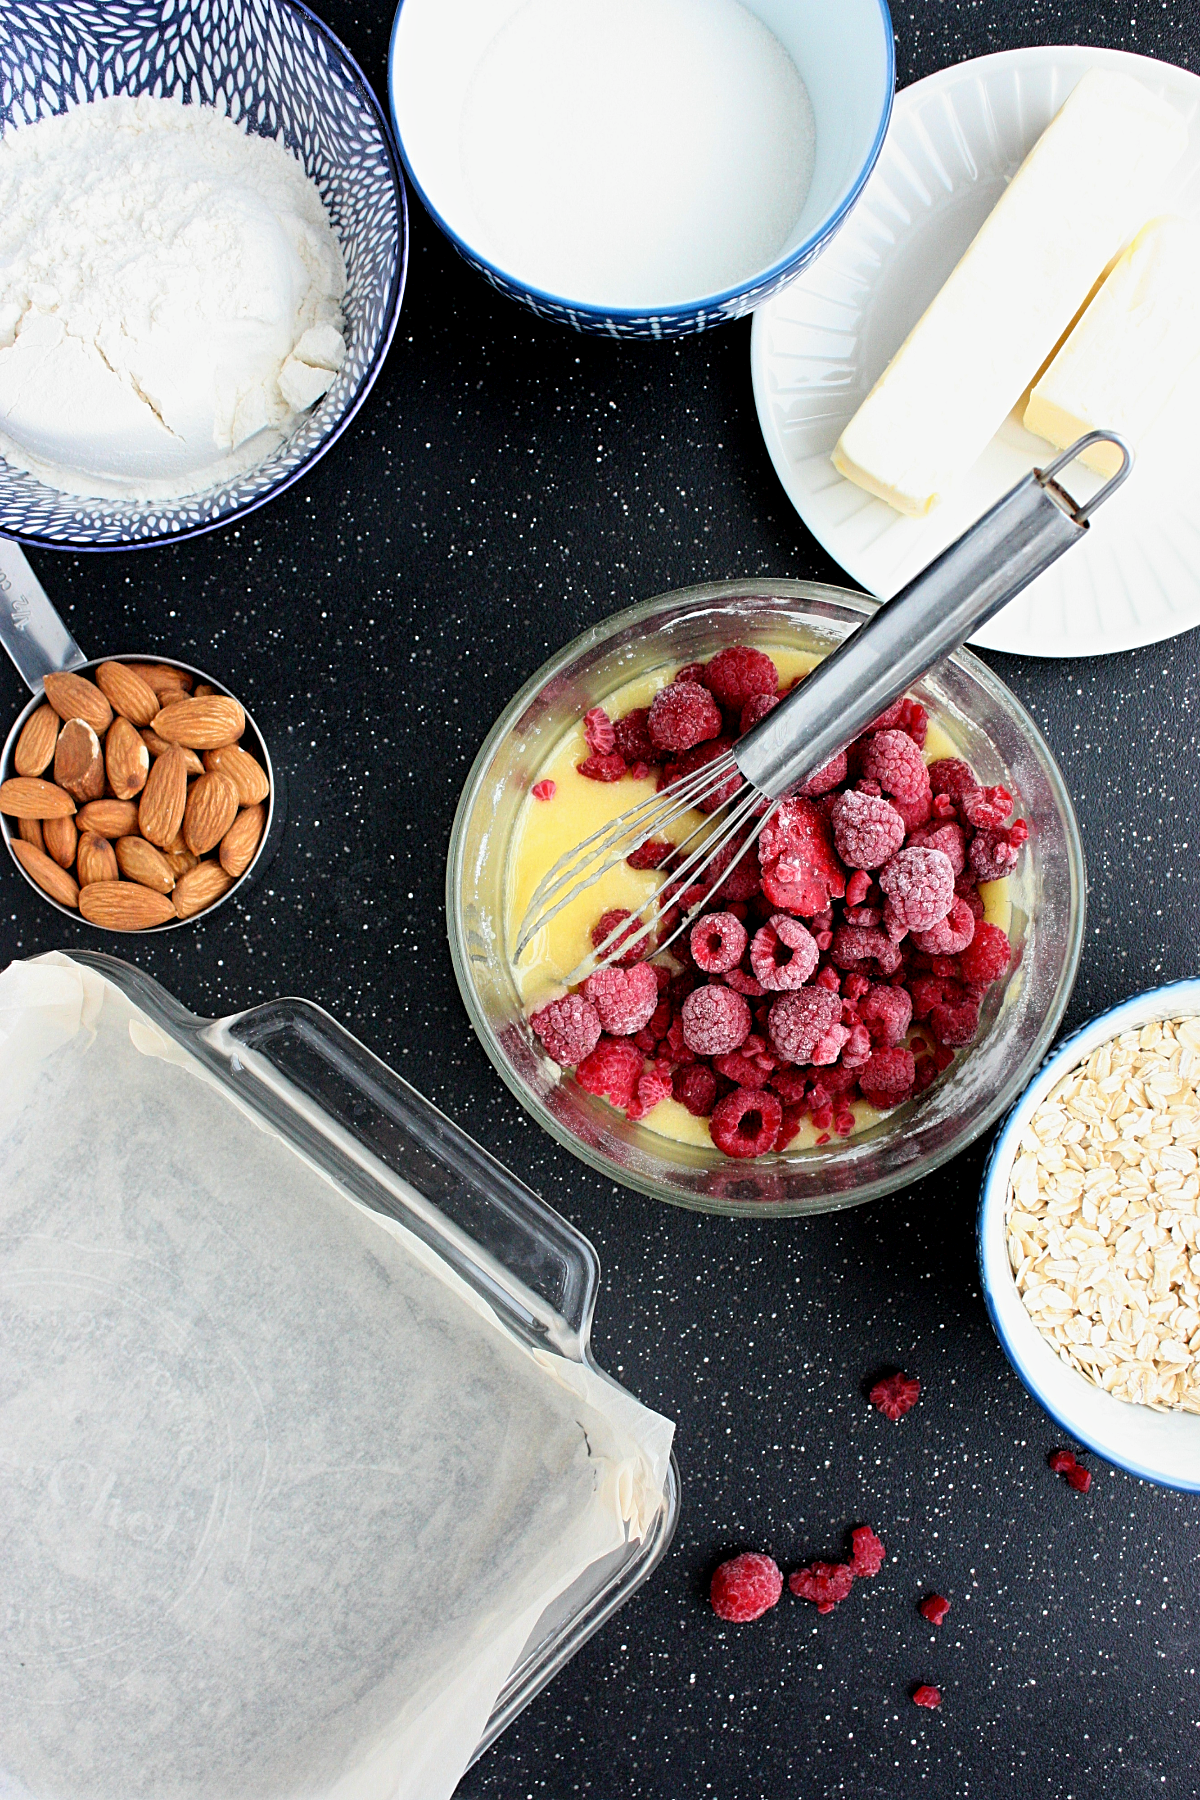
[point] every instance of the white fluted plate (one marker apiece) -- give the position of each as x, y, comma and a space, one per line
956, 139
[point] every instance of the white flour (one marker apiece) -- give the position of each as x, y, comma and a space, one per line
170, 297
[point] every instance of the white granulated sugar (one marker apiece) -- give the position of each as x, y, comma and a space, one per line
170, 297
636, 152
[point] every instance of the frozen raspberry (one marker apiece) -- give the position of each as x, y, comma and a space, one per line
689, 672
650, 855
986, 956
904, 715
945, 836
992, 855
793, 1119
745, 1588
695, 1088
915, 813
926, 1696
653, 1086
624, 998
826, 1584
953, 777
598, 767
857, 1049
800, 870
697, 758
852, 945
868, 1554
744, 1071
598, 731
949, 935
791, 1085
887, 1080
799, 1022
986, 807
783, 954
674, 1047
715, 1020
857, 888
893, 760
1079, 1478
1061, 1461
955, 1026
919, 885
568, 1028
611, 1071
746, 1122
544, 790
755, 710
830, 1044
633, 737
829, 776
887, 1014
866, 831
934, 1608
738, 674
717, 942
741, 983
895, 1395
927, 991
682, 715
609, 921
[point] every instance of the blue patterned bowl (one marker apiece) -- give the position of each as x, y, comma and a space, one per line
844, 52
279, 72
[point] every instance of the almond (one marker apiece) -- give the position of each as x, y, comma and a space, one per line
164, 679
211, 809
96, 860
60, 838
180, 861
74, 697
78, 763
242, 839
35, 746
127, 692
30, 831
248, 776
156, 745
199, 888
109, 818
140, 861
206, 724
203, 687
164, 797
126, 759
50, 878
28, 797
124, 906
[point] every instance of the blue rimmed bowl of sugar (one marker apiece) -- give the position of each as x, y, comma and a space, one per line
641, 168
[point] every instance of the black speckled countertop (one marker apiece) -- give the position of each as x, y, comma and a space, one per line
507, 484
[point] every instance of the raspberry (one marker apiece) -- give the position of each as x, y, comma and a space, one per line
986, 956
625, 998
895, 1395
598, 731
986, 807
793, 1118
756, 709
915, 813
689, 672
608, 922
746, 1122
695, 1088
682, 715
953, 777
717, 942
633, 737
715, 1020
674, 1047
653, 1086
927, 992
946, 837
893, 760
868, 1554
790, 971
934, 1608
745, 1588
926, 1696
826, 1584
857, 888
857, 1049
852, 945
801, 873
741, 983
829, 776
611, 1071
1079, 1478
544, 790
949, 935
919, 885
568, 1028
597, 767
992, 856
799, 1022
650, 855
866, 831
887, 1014
954, 1026
741, 880
696, 758
1061, 1461
738, 674
904, 715
888, 1077
742, 1070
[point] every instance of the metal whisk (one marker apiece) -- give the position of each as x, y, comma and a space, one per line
991, 562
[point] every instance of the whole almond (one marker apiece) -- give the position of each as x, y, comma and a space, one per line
163, 678
30, 832
199, 888
35, 746
96, 860
109, 818
78, 762
124, 905
75, 697
28, 797
127, 693
248, 776
140, 861
60, 838
156, 745
212, 805
241, 840
180, 861
164, 797
126, 759
50, 878
206, 724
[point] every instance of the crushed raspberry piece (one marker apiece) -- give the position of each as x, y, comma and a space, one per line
992, 856
830, 1044
986, 807
695, 1088
868, 1555
674, 1047
755, 710
953, 777
633, 737
598, 731
715, 1020
737, 674
800, 870
793, 1118
825, 1584
783, 954
544, 790
682, 715
568, 1028
946, 836
954, 1026
934, 1608
857, 1049
799, 1021
599, 767
987, 955
926, 1696
696, 758
746, 1122
717, 942
857, 888
653, 1086
893, 760
741, 983
942, 806
853, 945
949, 935
895, 1395
745, 1588
608, 922
625, 998
650, 855
887, 1014
867, 831
887, 1080
1061, 1461
1079, 1478
611, 1070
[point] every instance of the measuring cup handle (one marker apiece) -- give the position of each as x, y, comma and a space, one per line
30, 629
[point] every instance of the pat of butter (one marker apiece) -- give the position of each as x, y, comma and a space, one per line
1127, 354
1089, 181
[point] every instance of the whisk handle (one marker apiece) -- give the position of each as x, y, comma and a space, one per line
994, 559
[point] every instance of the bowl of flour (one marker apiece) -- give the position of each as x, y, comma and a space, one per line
642, 168
202, 255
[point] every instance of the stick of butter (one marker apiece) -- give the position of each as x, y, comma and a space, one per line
1088, 183
1128, 353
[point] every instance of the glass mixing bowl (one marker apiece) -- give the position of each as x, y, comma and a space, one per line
1020, 1016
